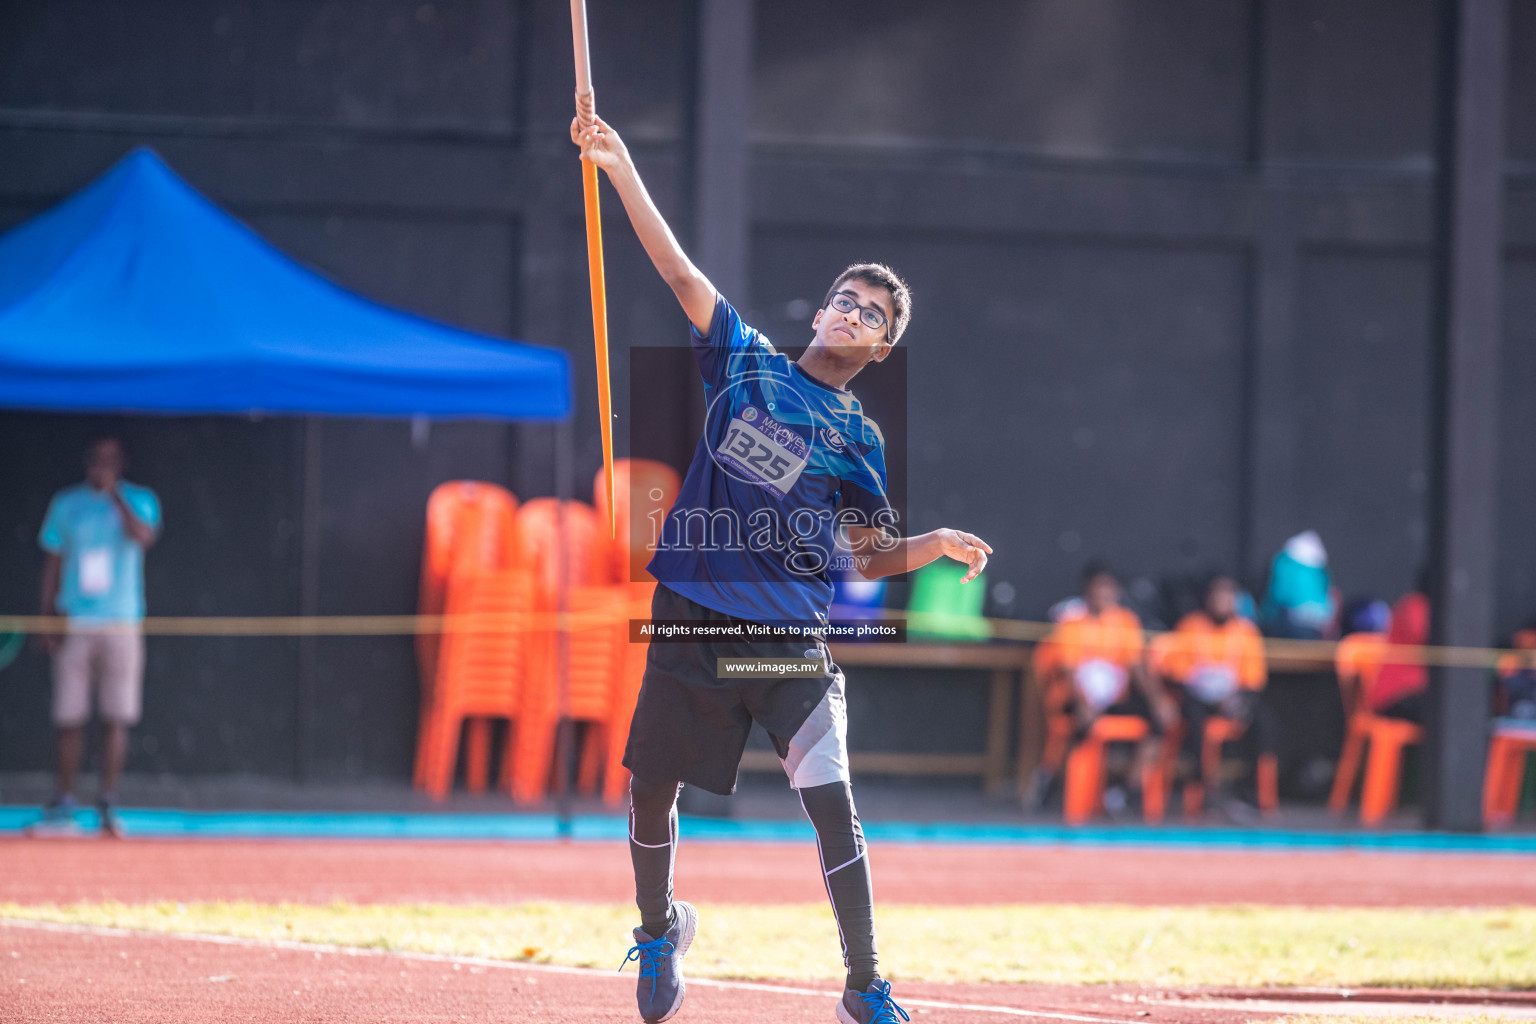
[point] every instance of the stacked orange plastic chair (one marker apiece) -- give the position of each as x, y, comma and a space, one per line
504, 575
1358, 660
644, 492
558, 550
477, 669
469, 531
606, 586
597, 642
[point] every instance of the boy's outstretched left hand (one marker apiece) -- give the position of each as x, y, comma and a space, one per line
967, 548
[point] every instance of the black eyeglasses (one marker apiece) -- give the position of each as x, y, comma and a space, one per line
869, 316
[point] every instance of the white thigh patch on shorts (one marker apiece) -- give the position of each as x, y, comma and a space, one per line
818, 752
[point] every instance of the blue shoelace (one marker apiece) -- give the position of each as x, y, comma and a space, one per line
882, 1004
649, 954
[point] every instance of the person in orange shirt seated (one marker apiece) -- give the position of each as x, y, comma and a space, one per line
1216, 660
1098, 668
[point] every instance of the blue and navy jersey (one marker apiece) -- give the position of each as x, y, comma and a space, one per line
784, 460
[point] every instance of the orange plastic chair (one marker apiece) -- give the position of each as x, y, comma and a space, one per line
1508, 745
1045, 661
644, 492
1357, 661
1507, 749
477, 666
469, 529
598, 638
1060, 725
466, 519
546, 545
1084, 794
1220, 731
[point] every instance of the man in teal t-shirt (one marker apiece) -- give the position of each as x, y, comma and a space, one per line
95, 535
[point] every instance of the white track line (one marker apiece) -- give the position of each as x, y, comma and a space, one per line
592, 973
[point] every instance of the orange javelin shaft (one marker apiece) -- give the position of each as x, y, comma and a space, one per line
586, 111
600, 328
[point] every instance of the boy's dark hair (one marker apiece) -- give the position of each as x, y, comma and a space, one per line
878, 275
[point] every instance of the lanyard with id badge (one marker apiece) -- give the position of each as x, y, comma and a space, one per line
93, 573
763, 451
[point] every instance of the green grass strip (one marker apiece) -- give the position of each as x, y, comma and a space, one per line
1225, 946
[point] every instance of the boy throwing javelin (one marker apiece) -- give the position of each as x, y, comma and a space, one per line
788, 461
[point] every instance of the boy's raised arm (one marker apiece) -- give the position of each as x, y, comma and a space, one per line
601, 145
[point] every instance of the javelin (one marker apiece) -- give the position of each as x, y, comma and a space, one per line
586, 113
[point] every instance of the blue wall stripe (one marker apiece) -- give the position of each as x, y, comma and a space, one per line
167, 823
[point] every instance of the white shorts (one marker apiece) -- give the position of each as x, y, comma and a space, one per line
108, 660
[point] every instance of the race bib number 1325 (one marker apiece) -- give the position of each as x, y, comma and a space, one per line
763, 451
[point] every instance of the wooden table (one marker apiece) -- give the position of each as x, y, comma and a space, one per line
1005, 661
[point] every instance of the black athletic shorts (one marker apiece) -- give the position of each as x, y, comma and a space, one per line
691, 726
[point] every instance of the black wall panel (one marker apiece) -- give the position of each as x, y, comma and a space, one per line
1353, 81
1517, 451
356, 62
1520, 115
1363, 412
375, 482
1069, 78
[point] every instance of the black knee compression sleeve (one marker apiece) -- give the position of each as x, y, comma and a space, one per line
845, 868
653, 850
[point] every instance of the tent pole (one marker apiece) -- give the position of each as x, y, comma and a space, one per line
309, 595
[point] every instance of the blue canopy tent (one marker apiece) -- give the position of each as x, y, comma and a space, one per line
139, 295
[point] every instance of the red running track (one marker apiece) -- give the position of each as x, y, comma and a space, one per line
94, 974
91, 975
365, 871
